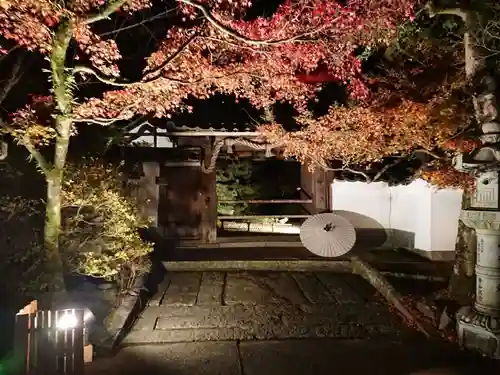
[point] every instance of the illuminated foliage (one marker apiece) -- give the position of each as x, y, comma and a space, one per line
447, 176
99, 236
100, 233
362, 134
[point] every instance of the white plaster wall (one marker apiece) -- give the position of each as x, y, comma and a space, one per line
371, 200
446, 208
417, 215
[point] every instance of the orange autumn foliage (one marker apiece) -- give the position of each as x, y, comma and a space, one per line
363, 134
448, 177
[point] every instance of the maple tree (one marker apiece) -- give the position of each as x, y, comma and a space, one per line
417, 102
211, 48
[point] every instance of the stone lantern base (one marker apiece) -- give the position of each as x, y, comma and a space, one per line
479, 326
479, 332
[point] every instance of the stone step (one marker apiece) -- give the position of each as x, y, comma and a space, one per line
258, 265
262, 322
403, 269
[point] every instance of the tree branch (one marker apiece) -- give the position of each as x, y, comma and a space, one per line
113, 82
325, 167
230, 32
159, 68
103, 79
106, 12
100, 121
434, 155
385, 168
43, 164
14, 77
458, 12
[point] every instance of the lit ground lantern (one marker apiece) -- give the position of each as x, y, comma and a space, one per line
328, 235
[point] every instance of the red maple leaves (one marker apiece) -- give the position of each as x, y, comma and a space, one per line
284, 57
264, 60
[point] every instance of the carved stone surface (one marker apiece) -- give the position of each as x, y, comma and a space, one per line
481, 219
480, 332
490, 127
490, 138
488, 251
479, 327
486, 154
487, 291
486, 194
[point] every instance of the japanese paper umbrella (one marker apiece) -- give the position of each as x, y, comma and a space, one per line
327, 235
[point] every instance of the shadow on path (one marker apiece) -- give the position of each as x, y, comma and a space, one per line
292, 357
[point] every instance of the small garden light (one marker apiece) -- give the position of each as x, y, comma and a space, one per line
68, 320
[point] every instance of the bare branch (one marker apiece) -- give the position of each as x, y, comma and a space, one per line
103, 79
350, 170
106, 12
386, 167
14, 77
159, 68
100, 121
123, 28
459, 12
325, 167
230, 32
434, 155
9, 51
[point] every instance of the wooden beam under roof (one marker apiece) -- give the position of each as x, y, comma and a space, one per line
207, 133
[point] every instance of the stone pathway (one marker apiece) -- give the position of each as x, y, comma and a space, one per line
273, 323
214, 306
291, 357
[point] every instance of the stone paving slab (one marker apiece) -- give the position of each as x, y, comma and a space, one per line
263, 305
258, 288
292, 357
313, 289
211, 288
182, 289
172, 359
276, 321
339, 357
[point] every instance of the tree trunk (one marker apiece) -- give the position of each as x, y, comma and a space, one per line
53, 207
52, 228
61, 84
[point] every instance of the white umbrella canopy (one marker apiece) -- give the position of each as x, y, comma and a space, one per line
328, 235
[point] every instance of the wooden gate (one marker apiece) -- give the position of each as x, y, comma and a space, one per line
41, 347
179, 208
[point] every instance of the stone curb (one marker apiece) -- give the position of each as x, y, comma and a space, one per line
260, 265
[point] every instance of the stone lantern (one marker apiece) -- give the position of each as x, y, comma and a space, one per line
478, 326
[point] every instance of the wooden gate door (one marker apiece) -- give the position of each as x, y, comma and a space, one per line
187, 199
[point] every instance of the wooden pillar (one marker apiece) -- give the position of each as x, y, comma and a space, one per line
321, 190
208, 224
317, 184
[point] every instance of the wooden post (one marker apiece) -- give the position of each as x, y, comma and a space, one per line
88, 352
208, 224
